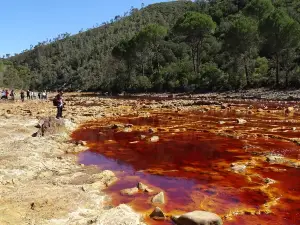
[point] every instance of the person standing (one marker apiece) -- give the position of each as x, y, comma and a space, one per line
28, 94
60, 105
3, 94
22, 96
6, 94
12, 95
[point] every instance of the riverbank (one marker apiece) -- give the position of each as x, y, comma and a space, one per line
41, 180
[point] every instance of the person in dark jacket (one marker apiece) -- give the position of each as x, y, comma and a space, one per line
60, 105
22, 95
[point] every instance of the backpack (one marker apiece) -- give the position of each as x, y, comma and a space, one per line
55, 101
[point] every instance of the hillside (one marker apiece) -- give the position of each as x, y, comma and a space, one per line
173, 46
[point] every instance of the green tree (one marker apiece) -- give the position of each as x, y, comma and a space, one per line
241, 38
150, 37
281, 34
259, 9
195, 27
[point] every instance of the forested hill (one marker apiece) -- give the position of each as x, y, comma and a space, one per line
171, 46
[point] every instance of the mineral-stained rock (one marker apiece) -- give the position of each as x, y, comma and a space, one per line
275, 159
238, 168
290, 110
130, 191
142, 186
154, 139
148, 190
241, 121
198, 218
159, 198
157, 214
269, 181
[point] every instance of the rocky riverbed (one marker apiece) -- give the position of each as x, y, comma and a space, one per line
244, 172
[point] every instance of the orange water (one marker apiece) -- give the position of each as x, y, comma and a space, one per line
191, 163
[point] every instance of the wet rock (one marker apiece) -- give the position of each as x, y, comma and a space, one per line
148, 190
198, 218
289, 109
260, 110
241, 121
154, 139
127, 130
130, 191
222, 122
275, 159
238, 168
116, 126
159, 198
157, 214
142, 137
142, 186
151, 130
269, 181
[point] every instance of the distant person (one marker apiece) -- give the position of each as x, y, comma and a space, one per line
31, 94
12, 95
39, 95
3, 94
59, 104
28, 94
22, 95
44, 95
6, 94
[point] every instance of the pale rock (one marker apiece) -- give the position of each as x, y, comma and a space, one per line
198, 218
154, 139
241, 121
142, 186
159, 198
130, 191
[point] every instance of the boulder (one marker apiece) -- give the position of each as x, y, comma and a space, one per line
157, 214
159, 198
130, 191
198, 218
51, 125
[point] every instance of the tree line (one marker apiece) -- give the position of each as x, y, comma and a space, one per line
175, 46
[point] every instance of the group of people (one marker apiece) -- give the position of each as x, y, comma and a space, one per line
58, 101
6, 94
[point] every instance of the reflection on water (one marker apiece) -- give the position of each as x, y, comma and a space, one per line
192, 163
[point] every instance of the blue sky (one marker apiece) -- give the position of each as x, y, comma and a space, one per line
27, 22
